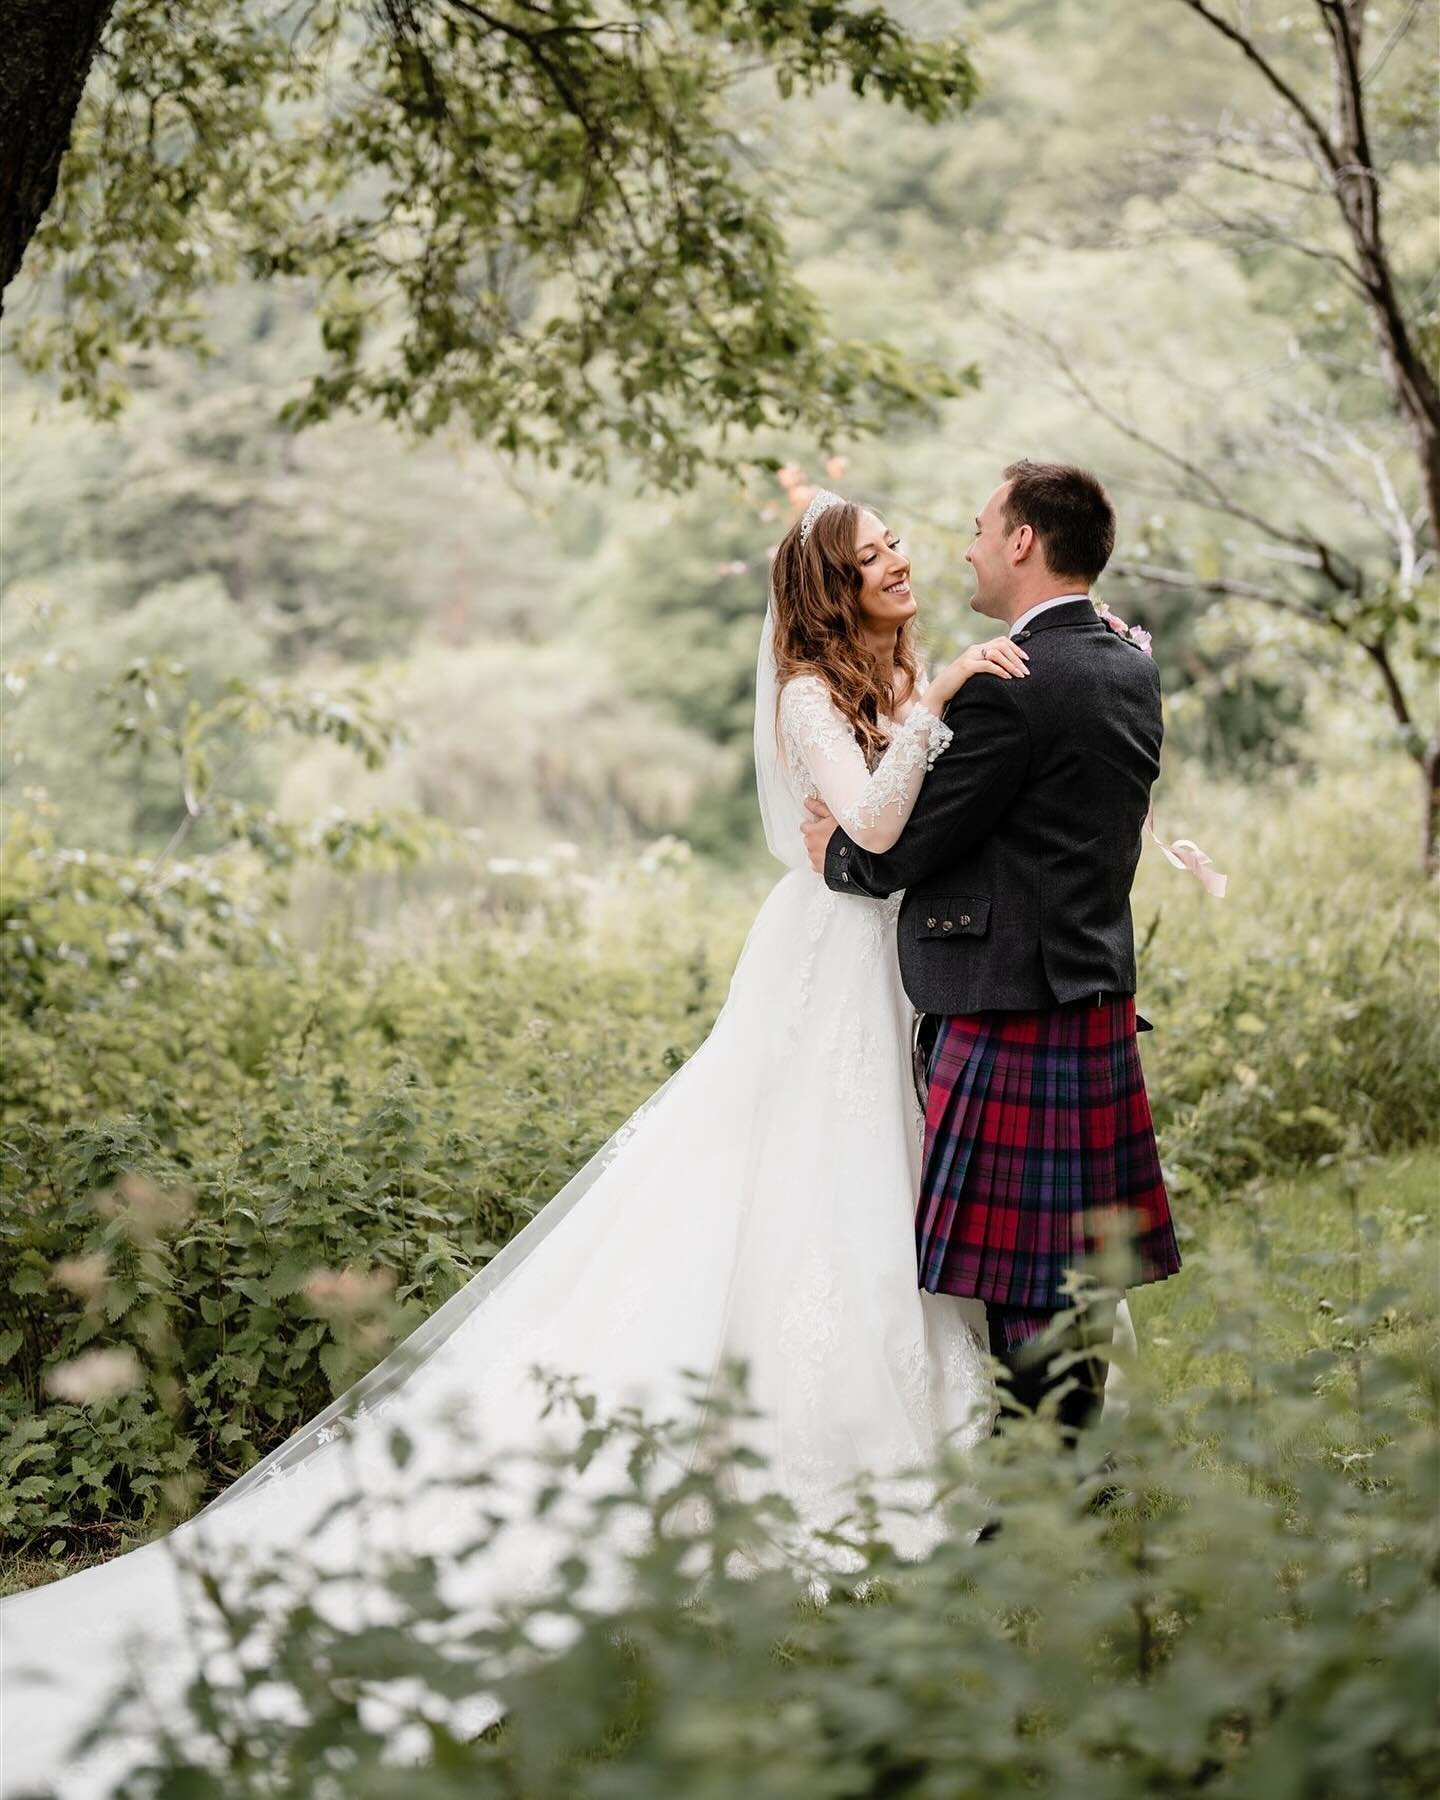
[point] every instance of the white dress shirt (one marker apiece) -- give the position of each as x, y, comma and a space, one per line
1027, 618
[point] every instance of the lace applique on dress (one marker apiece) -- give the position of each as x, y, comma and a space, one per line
853, 1053
817, 916
871, 803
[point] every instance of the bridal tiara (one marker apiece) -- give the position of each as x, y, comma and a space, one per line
822, 501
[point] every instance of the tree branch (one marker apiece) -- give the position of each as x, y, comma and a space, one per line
1392, 515
1357, 193
1308, 189
1228, 587
1261, 230
1383, 55
1379, 654
1231, 587
1333, 563
1253, 53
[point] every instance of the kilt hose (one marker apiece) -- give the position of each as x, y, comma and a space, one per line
1039, 1153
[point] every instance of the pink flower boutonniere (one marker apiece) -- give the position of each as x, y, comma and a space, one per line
1132, 634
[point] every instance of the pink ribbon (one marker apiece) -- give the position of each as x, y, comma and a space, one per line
1186, 854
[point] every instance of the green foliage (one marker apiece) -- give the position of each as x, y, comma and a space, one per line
61, 727
1241, 1602
528, 220
682, 600
403, 1113
521, 628
403, 1110
1296, 1015
184, 744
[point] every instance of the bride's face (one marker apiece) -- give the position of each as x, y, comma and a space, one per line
885, 597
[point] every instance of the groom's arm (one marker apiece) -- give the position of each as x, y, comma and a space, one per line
974, 779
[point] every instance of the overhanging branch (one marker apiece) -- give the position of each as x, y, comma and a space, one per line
1228, 587
1254, 54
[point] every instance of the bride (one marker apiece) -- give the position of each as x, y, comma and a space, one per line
759, 1208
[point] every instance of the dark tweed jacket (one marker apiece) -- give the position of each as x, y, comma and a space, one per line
1018, 859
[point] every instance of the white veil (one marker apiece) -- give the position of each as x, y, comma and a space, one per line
782, 811
387, 1377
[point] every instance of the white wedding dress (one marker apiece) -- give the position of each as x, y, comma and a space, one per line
759, 1207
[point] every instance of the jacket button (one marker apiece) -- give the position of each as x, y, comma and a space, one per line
930, 923
844, 876
844, 849
964, 919
946, 926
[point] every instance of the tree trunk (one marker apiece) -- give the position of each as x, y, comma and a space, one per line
1430, 841
1357, 189
46, 50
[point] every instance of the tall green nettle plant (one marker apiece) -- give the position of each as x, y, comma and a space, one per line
1242, 1603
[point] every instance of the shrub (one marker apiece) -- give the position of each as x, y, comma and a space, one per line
1298, 1013
1253, 1613
404, 1104
194, 1128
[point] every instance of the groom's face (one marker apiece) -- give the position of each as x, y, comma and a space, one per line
989, 556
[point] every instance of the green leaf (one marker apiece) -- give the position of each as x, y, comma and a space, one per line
120, 1296
338, 1364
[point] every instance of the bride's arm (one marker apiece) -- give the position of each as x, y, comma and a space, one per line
872, 805
973, 783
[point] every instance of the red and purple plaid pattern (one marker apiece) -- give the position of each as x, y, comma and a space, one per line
1037, 1133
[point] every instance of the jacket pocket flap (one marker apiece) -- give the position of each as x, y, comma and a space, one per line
962, 915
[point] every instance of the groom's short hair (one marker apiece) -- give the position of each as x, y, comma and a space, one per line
1069, 512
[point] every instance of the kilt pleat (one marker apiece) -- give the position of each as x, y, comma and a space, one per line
1039, 1149
949, 1155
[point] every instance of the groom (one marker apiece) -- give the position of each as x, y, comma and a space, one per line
1016, 941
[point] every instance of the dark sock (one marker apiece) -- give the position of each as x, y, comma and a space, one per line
1033, 1377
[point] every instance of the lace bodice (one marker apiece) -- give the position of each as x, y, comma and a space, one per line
871, 804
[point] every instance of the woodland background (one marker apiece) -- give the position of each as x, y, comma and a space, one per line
379, 832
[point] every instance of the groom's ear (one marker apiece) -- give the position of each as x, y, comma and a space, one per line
1022, 543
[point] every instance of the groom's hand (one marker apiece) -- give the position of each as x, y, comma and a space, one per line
817, 832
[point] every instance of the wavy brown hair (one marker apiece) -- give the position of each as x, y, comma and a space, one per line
820, 630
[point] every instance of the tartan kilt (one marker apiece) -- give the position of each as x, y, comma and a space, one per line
1037, 1133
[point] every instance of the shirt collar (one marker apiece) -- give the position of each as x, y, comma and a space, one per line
1027, 618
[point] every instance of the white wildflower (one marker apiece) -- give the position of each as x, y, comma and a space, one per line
95, 1375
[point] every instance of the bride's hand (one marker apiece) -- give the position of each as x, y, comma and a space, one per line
1000, 656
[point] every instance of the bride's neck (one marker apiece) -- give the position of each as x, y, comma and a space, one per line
882, 654
881, 646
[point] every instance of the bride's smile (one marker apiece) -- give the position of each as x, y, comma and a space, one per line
886, 600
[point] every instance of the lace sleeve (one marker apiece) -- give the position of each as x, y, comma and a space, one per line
871, 804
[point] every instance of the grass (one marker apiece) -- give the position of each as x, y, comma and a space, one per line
1307, 1239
